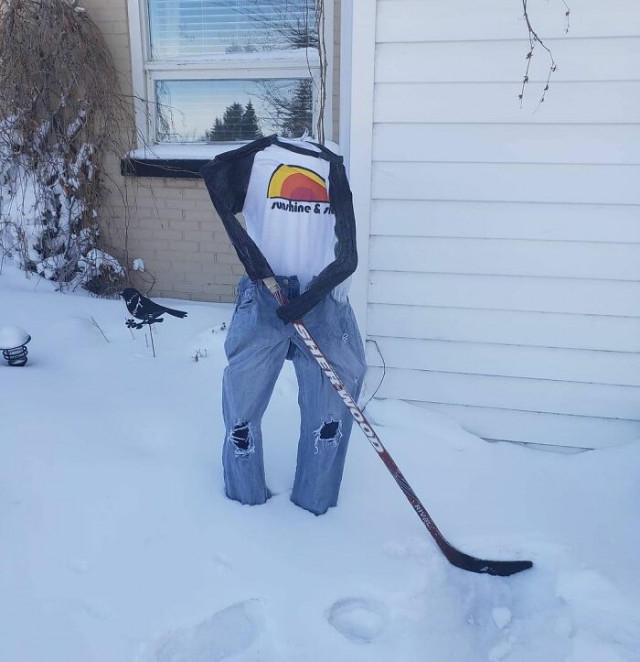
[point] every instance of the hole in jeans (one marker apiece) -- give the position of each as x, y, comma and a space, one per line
241, 438
328, 434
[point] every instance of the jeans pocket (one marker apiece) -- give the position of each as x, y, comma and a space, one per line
245, 296
342, 302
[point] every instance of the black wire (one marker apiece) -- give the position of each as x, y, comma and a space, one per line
384, 372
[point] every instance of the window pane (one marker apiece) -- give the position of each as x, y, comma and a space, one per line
210, 27
230, 110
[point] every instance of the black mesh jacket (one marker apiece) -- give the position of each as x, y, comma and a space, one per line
227, 180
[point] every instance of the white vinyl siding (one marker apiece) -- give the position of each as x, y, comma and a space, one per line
504, 260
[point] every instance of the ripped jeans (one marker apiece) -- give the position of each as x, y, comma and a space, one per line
257, 344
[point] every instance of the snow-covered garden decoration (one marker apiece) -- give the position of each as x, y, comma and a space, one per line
60, 114
13, 341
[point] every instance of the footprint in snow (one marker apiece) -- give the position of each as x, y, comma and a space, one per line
358, 619
225, 634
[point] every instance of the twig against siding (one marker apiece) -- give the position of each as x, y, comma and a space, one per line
534, 40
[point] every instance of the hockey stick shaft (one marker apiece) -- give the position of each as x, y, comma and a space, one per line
456, 557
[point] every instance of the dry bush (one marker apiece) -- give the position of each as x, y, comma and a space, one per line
61, 113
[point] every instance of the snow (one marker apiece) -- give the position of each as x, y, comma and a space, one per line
501, 616
117, 543
12, 337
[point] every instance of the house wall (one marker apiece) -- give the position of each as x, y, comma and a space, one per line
169, 223
504, 253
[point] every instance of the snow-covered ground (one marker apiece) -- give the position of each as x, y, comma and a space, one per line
117, 543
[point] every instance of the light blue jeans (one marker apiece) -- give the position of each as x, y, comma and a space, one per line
257, 344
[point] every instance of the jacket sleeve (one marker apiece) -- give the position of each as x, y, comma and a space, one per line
346, 253
227, 180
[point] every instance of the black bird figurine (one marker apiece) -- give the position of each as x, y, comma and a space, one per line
146, 310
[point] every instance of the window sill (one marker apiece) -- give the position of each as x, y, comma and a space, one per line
172, 161
180, 161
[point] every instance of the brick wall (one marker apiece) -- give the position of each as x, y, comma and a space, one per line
172, 226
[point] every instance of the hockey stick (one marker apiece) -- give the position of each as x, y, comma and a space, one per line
454, 556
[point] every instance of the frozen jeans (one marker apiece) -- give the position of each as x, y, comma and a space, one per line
257, 344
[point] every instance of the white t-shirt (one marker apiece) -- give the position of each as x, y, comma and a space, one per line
287, 212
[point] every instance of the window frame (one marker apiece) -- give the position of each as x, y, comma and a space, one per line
145, 72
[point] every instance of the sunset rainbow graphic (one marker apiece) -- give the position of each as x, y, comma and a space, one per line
298, 184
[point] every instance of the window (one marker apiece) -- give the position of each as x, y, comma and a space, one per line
227, 70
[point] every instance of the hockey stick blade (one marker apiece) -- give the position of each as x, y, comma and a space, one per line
473, 564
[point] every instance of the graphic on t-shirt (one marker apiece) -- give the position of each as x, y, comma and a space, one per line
297, 184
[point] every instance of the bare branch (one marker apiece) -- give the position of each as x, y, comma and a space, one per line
535, 40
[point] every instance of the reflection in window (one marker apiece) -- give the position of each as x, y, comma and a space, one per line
213, 27
230, 110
